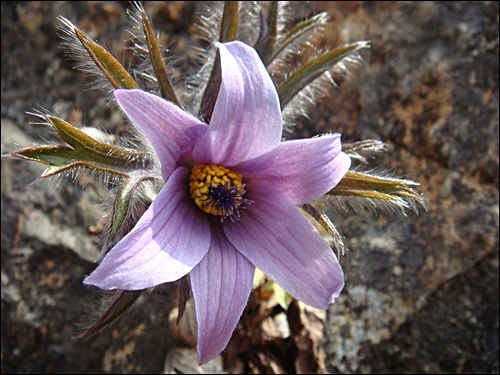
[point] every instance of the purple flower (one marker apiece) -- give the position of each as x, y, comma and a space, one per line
229, 202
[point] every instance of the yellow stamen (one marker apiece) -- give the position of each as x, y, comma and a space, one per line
216, 190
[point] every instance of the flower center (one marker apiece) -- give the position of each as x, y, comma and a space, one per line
217, 190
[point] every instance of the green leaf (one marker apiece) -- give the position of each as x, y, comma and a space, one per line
325, 222
229, 24
85, 151
361, 149
124, 301
312, 70
211, 91
298, 32
59, 159
229, 28
111, 68
160, 70
122, 208
266, 44
384, 188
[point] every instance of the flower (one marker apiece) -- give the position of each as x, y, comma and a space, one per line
229, 203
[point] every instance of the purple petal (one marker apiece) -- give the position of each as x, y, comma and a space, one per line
221, 285
167, 242
277, 238
246, 121
171, 131
305, 169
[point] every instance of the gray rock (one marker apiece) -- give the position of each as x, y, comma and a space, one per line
421, 291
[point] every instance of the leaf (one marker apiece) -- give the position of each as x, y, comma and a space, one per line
124, 301
229, 24
85, 152
111, 68
394, 190
229, 28
266, 43
122, 208
312, 70
298, 32
360, 150
212, 91
325, 222
160, 70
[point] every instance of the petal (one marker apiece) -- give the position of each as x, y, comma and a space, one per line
305, 169
221, 285
171, 131
277, 238
167, 242
246, 121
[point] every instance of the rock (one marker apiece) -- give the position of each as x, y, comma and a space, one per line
421, 291
429, 89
